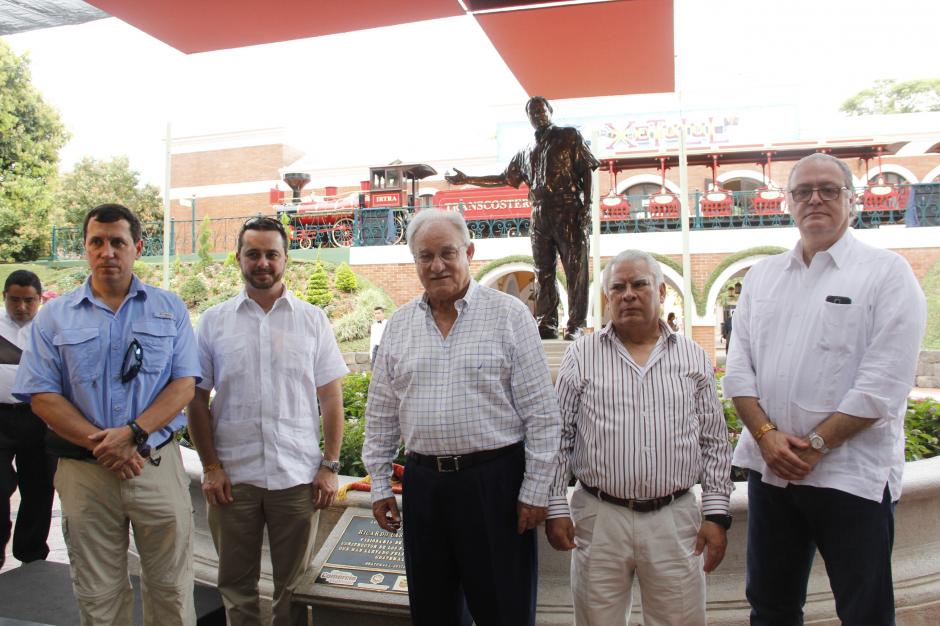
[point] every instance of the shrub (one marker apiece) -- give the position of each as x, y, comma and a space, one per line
230, 260
345, 280
356, 324
194, 291
922, 429
318, 287
205, 243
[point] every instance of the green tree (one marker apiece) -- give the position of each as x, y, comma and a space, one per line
92, 182
891, 96
318, 286
345, 279
31, 135
205, 243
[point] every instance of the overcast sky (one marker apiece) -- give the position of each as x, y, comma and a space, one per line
442, 87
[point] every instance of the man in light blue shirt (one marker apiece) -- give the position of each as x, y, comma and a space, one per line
109, 367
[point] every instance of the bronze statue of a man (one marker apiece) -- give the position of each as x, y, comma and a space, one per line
557, 168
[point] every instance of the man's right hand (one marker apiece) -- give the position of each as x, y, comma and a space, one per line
560, 533
386, 514
779, 450
133, 467
456, 179
217, 487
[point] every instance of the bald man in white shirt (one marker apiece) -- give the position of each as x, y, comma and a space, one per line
825, 339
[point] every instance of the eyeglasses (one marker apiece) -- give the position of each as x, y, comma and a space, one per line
130, 370
826, 192
448, 255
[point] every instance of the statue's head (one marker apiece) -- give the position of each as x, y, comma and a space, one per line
539, 111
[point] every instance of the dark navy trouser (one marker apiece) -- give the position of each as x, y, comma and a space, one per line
854, 535
460, 534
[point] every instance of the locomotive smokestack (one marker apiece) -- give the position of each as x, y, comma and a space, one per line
296, 181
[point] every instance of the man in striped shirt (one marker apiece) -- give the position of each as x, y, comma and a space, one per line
462, 377
641, 423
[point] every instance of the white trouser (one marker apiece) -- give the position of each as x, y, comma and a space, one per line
614, 543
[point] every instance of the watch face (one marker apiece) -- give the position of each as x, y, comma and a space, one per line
816, 442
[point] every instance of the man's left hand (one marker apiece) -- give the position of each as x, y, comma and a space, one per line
325, 486
529, 516
712, 539
115, 447
810, 456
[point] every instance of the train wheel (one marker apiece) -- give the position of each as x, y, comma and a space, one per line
399, 229
305, 241
342, 233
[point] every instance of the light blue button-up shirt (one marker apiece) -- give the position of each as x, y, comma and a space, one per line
77, 345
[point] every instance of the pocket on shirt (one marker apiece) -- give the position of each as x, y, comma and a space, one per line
828, 373
81, 352
156, 339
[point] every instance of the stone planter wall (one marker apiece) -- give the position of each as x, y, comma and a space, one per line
916, 557
928, 369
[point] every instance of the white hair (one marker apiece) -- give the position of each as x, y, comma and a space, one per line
633, 255
436, 215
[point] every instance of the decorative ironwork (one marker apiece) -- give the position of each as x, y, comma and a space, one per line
908, 205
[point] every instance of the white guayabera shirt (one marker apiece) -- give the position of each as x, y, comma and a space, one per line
842, 334
265, 369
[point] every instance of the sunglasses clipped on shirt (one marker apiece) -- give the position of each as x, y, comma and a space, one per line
133, 359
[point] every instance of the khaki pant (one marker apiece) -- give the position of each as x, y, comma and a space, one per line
615, 543
238, 531
97, 509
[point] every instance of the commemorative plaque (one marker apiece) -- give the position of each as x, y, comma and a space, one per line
365, 557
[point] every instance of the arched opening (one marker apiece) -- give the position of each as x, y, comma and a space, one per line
518, 280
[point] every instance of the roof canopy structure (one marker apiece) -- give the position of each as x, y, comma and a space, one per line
568, 49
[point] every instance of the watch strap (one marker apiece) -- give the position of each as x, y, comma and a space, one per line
140, 435
722, 520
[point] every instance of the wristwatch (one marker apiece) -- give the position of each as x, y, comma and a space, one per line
817, 443
333, 466
140, 435
722, 520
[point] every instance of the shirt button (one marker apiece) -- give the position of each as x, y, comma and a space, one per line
117, 408
115, 348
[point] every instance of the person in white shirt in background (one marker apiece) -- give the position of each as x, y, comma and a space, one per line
826, 339
375, 332
641, 424
270, 358
22, 435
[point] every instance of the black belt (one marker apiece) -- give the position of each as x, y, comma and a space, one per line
14, 407
640, 506
460, 462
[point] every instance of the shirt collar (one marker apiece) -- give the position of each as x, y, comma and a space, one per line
666, 333
460, 305
285, 299
85, 293
839, 252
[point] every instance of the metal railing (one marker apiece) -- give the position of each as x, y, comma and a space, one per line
910, 205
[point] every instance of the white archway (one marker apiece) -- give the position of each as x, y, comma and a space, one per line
639, 179
492, 277
749, 174
892, 168
931, 175
711, 298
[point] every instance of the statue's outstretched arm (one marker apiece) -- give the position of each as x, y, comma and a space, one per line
459, 178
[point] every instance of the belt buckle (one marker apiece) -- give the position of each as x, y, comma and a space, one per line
448, 463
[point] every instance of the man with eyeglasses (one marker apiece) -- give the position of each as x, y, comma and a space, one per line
22, 434
275, 367
109, 367
461, 376
826, 339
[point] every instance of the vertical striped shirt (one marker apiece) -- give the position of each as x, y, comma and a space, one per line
485, 386
641, 432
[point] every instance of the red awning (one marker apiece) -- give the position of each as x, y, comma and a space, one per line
608, 48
